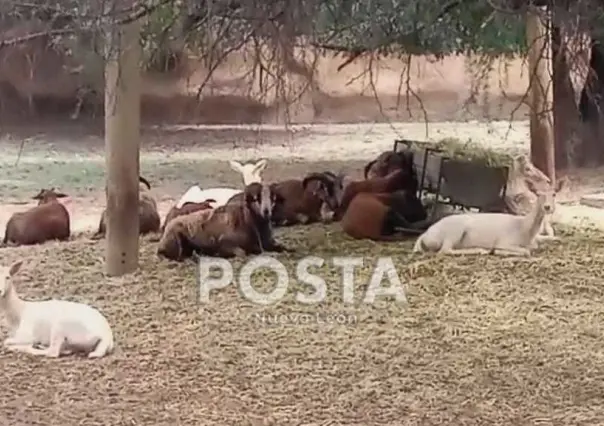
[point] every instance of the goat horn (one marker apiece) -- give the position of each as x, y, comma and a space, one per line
330, 175
368, 167
318, 176
144, 181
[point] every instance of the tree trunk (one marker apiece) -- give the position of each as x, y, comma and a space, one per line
566, 112
541, 92
590, 107
122, 121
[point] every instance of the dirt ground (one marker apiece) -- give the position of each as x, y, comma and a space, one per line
482, 340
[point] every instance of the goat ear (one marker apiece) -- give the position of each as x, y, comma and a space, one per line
60, 195
260, 165
15, 267
235, 165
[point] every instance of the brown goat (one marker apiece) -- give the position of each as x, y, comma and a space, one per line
174, 243
403, 178
149, 220
384, 164
187, 208
49, 220
377, 216
299, 204
235, 229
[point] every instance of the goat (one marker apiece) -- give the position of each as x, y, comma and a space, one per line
187, 208
61, 327
174, 243
149, 220
302, 202
344, 189
383, 165
328, 187
250, 173
49, 220
389, 161
232, 230
482, 233
377, 216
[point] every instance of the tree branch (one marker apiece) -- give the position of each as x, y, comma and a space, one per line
137, 12
356, 51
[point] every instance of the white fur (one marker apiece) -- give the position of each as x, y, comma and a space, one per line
525, 182
59, 327
197, 195
481, 233
250, 173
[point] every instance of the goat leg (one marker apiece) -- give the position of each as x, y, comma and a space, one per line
394, 222
269, 244
511, 251
228, 246
15, 341
51, 351
466, 251
26, 348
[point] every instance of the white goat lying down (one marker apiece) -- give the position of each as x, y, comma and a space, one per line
250, 172
60, 327
483, 233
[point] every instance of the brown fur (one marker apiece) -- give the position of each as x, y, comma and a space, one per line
174, 243
187, 208
149, 220
375, 216
49, 220
387, 184
297, 205
383, 165
230, 230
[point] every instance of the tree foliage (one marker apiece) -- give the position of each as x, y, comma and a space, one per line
386, 26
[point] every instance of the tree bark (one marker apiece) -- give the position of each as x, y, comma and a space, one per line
122, 133
541, 92
566, 111
591, 108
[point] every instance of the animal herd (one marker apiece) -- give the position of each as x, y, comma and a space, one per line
227, 222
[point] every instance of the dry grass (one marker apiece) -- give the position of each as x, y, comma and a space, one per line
483, 340
469, 151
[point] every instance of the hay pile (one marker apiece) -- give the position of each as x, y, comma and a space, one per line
482, 340
469, 151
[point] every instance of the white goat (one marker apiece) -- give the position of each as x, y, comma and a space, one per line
483, 233
60, 327
250, 172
